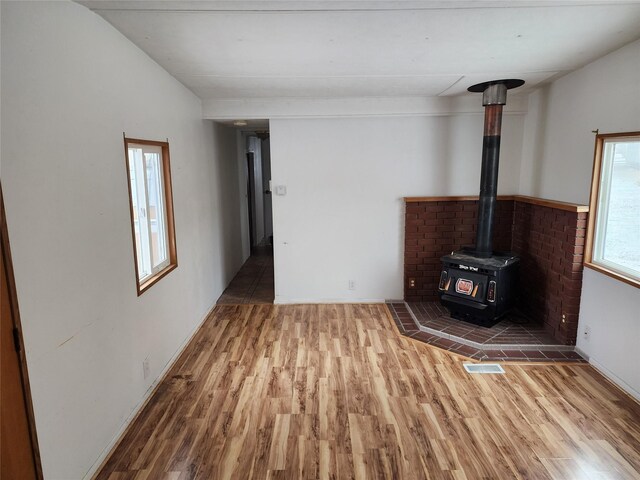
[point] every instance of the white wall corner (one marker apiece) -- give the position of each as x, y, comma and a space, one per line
285, 107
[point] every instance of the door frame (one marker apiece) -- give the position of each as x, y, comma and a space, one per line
15, 314
250, 188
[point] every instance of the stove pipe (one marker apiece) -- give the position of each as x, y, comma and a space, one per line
494, 96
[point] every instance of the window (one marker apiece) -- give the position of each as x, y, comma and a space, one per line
151, 205
613, 245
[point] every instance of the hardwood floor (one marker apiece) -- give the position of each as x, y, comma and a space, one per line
334, 391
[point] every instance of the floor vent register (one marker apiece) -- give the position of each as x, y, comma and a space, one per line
483, 368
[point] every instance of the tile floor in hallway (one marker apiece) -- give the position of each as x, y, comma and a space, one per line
253, 284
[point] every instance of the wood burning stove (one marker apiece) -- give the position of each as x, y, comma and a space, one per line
477, 284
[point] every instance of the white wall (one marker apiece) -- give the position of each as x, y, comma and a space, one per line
255, 145
71, 85
305, 107
243, 179
342, 216
228, 211
557, 163
609, 308
558, 144
266, 176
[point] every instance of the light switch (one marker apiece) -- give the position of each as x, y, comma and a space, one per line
281, 189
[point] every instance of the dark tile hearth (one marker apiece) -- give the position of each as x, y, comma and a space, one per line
514, 338
513, 329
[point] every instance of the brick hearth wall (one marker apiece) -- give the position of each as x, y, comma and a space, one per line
550, 242
434, 229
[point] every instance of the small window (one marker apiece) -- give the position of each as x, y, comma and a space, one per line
154, 244
613, 245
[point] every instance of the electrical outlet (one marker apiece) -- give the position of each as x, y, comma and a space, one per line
412, 283
146, 370
587, 332
352, 284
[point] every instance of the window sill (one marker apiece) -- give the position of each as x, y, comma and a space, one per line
634, 282
144, 286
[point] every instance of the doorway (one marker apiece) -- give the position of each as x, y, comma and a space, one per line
254, 283
258, 157
19, 456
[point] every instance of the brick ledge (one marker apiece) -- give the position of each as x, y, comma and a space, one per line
570, 207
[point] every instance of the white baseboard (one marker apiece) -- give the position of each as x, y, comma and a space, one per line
582, 353
100, 461
319, 301
612, 377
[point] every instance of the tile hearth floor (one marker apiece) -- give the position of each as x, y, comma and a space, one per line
512, 339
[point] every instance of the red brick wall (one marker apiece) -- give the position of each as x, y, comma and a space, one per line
549, 241
434, 229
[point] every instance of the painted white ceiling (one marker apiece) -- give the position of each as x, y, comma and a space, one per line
334, 48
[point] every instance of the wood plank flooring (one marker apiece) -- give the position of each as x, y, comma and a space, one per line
335, 392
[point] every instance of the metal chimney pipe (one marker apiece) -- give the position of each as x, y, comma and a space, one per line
494, 96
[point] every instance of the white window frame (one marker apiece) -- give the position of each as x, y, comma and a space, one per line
146, 273
598, 211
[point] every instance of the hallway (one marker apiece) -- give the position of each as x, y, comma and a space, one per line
253, 284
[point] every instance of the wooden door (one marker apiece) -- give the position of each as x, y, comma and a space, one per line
18, 446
